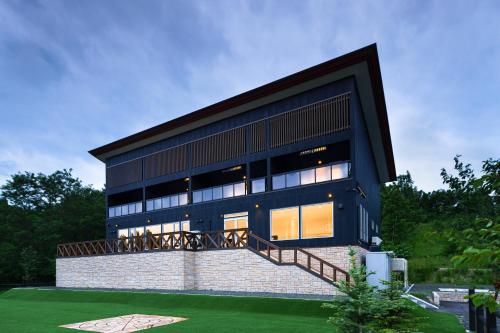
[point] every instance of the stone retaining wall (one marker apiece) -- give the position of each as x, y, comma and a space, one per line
221, 270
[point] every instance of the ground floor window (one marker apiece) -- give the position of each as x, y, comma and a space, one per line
307, 221
236, 221
285, 223
317, 220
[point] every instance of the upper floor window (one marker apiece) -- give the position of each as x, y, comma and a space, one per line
311, 176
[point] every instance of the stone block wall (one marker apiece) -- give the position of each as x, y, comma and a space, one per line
218, 270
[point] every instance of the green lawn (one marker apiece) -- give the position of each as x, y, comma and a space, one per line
36, 310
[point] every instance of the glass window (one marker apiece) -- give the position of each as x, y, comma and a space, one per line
174, 201
138, 207
292, 179
197, 196
118, 211
183, 199
185, 226
307, 177
171, 227
207, 195
239, 189
122, 233
165, 202
285, 223
157, 203
124, 209
217, 193
278, 182
138, 231
340, 171
111, 212
258, 185
317, 220
131, 208
228, 191
149, 205
153, 229
323, 174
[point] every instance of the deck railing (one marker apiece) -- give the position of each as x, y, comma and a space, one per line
203, 241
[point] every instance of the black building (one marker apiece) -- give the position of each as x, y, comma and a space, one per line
298, 161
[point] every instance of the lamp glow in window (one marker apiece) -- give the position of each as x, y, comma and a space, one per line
317, 220
153, 229
307, 177
340, 171
323, 174
285, 223
239, 189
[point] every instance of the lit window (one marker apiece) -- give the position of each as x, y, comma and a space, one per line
239, 189
138, 207
278, 182
228, 191
174, 201
340, 171
112, 212
185, 226
125, 210
165, 202
258, 185
285, 223
292, 179
307, 177
131, 208
122, 233
183, 199
138, 231
207, 195
153, 229
118, 211
171, 227
149, 205
217, 193
197, 196
317, 220
323, 174
157, 203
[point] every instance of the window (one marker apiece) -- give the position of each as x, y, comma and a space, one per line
131, 209
340, 171
259, 185
207, 195
323, 174
317, 220
285, 223
239, 189
122, 233
363, 223
138, 231
174, 201
197, 196
279, 182
149, 205
228, 191
171, 227
292, 179
111, 212
185, 225
217, 193
165, 202
183, 199
118, 211
153, 229
157, 203
138, 207
307, 177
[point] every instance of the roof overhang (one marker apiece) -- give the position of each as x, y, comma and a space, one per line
361, 64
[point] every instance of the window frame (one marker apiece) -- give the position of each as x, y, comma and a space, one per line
271, 224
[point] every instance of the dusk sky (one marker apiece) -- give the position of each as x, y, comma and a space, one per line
75, 75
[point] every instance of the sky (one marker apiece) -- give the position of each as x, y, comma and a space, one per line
75, 75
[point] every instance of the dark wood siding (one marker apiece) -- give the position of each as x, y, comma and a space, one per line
331, 115
257, 136
125, 173
165, 162
219, 147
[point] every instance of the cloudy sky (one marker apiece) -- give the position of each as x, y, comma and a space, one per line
75, 75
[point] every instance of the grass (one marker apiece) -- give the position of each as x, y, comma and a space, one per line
36, 310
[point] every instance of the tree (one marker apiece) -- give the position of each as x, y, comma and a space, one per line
355, 311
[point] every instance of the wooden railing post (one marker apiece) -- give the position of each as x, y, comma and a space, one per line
279, 255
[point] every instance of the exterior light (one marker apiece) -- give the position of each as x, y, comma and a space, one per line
257, 205
244, 177
330, 195
186, 215
187, 189
116, 225
148, 220
186, 179
319, 162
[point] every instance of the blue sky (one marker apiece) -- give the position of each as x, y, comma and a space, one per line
75, 75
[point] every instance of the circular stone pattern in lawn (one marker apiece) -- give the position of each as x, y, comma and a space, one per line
128, 323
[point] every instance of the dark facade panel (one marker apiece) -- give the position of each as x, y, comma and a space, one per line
325, 117
125, 173
219, 147
165, 162
257, 136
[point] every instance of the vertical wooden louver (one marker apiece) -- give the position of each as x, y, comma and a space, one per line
165, 162
257, 136
331, 115
219, 147
125, 173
